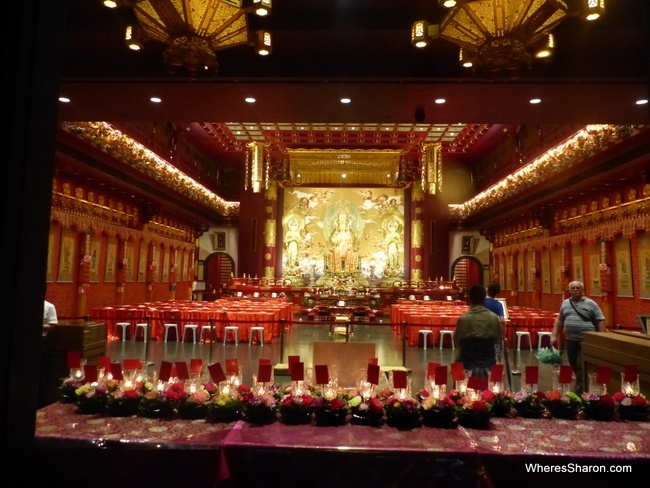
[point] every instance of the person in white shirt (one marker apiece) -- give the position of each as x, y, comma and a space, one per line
49, 314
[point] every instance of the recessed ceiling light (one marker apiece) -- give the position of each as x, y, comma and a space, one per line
535, 101
346, 100
642, 101
67, 100
156, 99
250, 100
440, 101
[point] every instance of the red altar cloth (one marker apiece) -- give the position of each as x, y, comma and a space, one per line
381, 456
266, 312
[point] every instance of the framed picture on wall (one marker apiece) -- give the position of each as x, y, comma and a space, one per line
577, 263
130, 264
165, 265
592, 281
546, 271
623, 263
556, 270
67, 255
142, 262
95, 255
49, 276
111, 259
644, 265
521, 272
218, 241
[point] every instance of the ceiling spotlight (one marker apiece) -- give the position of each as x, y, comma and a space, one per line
535, 101
67, 100
110, 3
346, 100
447, 3
155, 99
132, 37
592, 9
642, 101
466, 58
440, 101
263, 43
250, 100
546, 49
262, 7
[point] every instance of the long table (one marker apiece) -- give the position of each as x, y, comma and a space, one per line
244, 313
272, 455
437, 316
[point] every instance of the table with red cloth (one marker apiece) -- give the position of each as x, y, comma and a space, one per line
274, 454
436, 316
245, 313
525, 319
433, 316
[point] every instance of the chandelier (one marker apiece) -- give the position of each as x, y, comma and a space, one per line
193, 30
500, 38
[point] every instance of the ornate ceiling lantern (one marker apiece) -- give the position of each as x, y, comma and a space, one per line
194, 30
431, 168
501, 37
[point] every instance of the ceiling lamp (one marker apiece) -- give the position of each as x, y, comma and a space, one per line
500, 36
593, 9
431, 168
193, 30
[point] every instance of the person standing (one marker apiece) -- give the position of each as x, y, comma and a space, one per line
491, 303
49, 314
477, 332
578, 314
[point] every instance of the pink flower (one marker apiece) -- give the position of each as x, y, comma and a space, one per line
243, 388
131, 394
639, 400
618, 396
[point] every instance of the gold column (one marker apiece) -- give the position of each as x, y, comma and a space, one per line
416, 258
270, 226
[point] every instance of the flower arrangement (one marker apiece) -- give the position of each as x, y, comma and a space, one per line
473, 411
331, 408
503, 404
161, 402
563, 405
436, 411
227, 406
631, 406
124, 401
195, 403
598, 407
260, 407
530, 405
402, 412
369, 411
91, 399
295, 408
67, 389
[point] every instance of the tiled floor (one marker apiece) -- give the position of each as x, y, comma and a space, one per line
299, 339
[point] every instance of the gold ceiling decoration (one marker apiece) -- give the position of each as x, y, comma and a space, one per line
501, 37
343, 167
193, 30
137, 156
582, 145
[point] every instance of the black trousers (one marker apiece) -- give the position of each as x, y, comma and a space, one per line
574, 354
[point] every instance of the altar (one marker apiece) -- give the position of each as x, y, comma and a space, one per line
134, 451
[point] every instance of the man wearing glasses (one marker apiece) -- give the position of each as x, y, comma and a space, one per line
578, 314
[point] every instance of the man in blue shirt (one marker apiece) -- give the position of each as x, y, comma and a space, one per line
494, 305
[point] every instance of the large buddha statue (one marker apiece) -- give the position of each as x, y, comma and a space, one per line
343, 227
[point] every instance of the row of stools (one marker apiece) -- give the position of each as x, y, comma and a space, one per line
232, 330
520, 334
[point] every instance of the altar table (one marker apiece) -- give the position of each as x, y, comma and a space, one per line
278, 455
